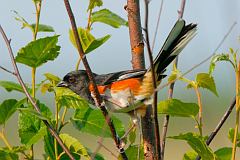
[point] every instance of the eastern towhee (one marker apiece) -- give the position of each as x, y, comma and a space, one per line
130, 90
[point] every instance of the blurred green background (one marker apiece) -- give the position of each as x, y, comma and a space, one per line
214, 19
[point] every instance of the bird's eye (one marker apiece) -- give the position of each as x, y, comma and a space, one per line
71, 79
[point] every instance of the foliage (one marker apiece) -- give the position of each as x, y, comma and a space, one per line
88, 41
39, 52
175, 107
198, 145
86, 118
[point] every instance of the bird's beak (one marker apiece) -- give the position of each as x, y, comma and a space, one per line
62, 84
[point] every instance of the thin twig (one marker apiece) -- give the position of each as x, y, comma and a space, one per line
32, 101
7, 70
181, 10
170, 90
103, 146
200, 117
99, 101
99, 140
157, 26
98, 148
202, 62
220, 124
155, 114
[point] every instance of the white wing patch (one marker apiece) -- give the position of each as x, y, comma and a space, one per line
130, 75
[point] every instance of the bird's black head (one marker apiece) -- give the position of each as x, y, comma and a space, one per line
78, 82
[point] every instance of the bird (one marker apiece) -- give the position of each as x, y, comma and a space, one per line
131, 90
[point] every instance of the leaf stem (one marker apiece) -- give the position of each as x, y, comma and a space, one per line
64, 114
4, 138
33, 82
200, 110
78, 63
38, 6
237, 112
89, 20
38, 10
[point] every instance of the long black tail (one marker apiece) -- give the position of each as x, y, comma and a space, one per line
177, 39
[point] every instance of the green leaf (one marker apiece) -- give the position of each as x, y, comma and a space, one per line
7, 108
92, 121
36, 1
6, 154
20, 103
53, 81
46, 87
108, 17
231, 136
31, 111
175, 107
191, 84
31, 128
74, 145
172, 77
234, 55
206, 81
43, 28
18, 149
218, 58
24, 23
39, 52
67, 98
52, 78
88, 41
132, 153
198, 144
11, 86
192, 155
94, 3
224, 153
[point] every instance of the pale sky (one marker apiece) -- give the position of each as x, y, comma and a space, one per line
214, 18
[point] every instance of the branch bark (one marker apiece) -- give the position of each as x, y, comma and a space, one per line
98, 98
32, 101
154, 106
138, 62
135, 33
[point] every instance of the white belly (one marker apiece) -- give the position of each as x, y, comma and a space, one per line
119, 101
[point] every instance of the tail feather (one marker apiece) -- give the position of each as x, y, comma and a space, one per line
177, 39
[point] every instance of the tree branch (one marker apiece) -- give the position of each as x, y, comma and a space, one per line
170, 90
32, 101
137, 49
154, 106
99, 101
220, 124
157, 26
181, 11
135, 33
7, 70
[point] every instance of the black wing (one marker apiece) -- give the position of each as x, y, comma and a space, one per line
105, 79
177, 39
